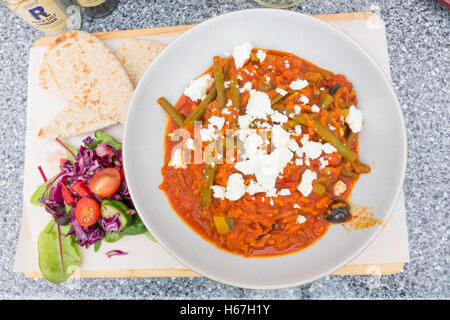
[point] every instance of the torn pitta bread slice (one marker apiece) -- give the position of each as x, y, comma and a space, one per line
74, 119
80, 67
136, 55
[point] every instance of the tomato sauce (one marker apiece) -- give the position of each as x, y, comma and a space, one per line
262, 225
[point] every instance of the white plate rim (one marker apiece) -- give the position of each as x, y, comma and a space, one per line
403, 160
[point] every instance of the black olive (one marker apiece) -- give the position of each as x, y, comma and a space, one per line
334, 89
338, 212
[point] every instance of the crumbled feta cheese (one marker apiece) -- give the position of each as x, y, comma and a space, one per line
311, 149
296, 206
315, 108
299, 162
298, 130
235, 187
208, 134
217, 122
293, 145
226, 84
328, 148
298, 84
271, 193
271, 202
305, 187
247, 87
354, 119
300, 219
259, 106
241, 53
280, 137
253, 188
297, 109
261, 55
304, 99
240, 77
229, 104
198, 87
218, 192
339, 188
190, 144
252, 143
279, 117
331, 127
267, 78
281, 91
284, 192
177, 159
323, 163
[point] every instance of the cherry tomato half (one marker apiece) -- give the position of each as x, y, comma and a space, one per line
87, 212
105, 182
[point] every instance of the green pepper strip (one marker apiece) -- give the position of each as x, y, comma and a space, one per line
200, 111
327, 100
319, 189
171, 111
219, 79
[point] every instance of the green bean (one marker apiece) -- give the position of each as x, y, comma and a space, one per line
208, 181
234, 92
350, 138
329, 137
200, 111
219, 79
280, 97
171, 111
349, 174
265, 87
360, 167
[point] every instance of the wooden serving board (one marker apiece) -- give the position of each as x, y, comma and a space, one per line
351, 269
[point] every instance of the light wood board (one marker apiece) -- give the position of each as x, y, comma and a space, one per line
352, 269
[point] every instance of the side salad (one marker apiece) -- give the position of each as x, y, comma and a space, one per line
89, 202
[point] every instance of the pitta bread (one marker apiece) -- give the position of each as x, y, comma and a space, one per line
80, 67
75, 119
136, 55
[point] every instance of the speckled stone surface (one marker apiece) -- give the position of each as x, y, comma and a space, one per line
418, 36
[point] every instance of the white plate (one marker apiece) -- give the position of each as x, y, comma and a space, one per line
382, 143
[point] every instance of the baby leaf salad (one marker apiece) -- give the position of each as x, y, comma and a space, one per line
89, 202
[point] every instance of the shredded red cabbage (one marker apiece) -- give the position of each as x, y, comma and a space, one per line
87, 163
111, 224
111, 253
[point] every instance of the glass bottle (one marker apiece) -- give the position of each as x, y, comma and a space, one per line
279, 3
98, 8
48, 16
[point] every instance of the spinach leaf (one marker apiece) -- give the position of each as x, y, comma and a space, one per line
68, 147
39, 193
97, 245
137, 227
150, 236
112, 236
58, 255
102, 137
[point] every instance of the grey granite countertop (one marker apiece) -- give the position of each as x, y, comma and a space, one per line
418, 36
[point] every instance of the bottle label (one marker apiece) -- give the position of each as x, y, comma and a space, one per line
44, 15
90, 3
